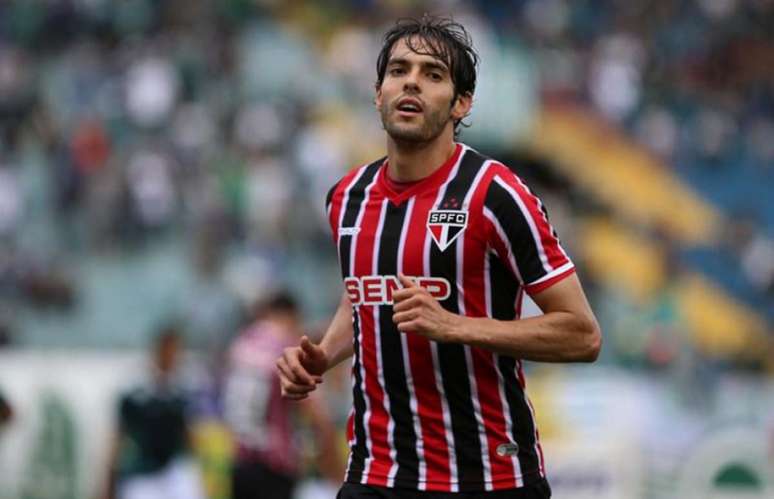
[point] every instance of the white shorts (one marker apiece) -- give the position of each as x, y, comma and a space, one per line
179, 480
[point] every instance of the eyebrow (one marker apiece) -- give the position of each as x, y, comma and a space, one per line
429, 65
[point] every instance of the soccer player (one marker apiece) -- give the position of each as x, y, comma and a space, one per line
151, 453
268, 457
437, 244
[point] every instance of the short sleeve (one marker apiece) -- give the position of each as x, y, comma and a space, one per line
521, 234
329, 198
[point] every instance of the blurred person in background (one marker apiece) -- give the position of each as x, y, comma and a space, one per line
439, 393
6, 413
151, 457
269, 456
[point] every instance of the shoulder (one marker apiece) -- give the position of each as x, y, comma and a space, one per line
488, 167
491, 177
359, 176
505, 186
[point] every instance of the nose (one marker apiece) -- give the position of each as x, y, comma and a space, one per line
411, 81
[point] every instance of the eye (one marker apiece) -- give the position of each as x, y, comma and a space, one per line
436, 76
396, 71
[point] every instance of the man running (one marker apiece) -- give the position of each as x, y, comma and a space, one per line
437, 245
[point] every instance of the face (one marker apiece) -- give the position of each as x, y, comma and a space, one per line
415, 99
167, 354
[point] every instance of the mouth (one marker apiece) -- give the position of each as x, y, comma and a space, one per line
409, 107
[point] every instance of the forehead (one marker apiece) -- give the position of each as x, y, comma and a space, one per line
422, 49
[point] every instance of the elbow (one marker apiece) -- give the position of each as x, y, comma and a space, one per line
592, 341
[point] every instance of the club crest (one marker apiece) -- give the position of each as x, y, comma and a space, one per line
446, 225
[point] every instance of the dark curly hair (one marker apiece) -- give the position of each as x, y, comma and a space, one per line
438, 37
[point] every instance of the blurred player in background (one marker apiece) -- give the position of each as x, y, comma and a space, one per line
151, 454
439, 392
6, 413
269, 456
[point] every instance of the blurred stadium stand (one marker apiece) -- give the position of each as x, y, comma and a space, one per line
166, 160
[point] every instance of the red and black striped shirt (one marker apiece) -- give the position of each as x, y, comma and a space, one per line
428, 415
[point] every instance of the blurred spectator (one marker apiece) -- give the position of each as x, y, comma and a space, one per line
269, 453
150, 458
151, 90
616, 78
758, 262
6, 413
210, 308
5, 333
10, 201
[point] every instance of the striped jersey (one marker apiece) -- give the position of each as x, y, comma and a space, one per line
428, 415
261, 421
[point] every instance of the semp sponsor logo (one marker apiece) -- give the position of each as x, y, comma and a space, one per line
446, 225
378, 289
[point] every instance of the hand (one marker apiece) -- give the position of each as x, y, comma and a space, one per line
300, 369
415, 311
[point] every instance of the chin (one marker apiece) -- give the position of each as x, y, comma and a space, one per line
407, 134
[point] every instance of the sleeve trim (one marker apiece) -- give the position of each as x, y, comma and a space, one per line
550, 279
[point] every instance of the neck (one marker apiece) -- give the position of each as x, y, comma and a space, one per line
411, 161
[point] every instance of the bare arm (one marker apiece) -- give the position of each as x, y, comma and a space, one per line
567, 332
301, 368
337, 341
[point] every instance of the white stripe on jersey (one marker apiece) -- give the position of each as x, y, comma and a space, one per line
508, 421
413, 403
352, 255
468, 353
530, 221
543, 214
538, 453
487, 465
500, 379
339, 223
511, 258
454, 475
344, 203
379, 366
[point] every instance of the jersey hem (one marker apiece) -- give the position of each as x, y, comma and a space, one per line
505, 483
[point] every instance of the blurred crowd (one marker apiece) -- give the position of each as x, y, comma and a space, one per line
150, 143
690, 81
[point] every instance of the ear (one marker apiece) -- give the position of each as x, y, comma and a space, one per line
462, 106
378, 96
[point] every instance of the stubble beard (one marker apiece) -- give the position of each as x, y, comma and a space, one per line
409, 133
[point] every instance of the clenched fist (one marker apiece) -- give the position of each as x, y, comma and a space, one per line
300, 369
416, 311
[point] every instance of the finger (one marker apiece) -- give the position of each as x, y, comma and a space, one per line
285, 372
290, 387
309, 348
408, 327
298, 373
406, 293
412, 301
297, 359
406, 281
409, 315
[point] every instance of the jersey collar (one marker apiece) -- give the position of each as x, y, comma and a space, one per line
432, 181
